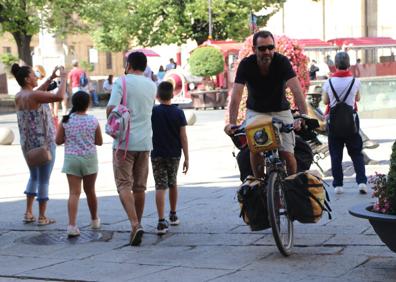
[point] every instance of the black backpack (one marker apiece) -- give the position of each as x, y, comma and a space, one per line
342, 116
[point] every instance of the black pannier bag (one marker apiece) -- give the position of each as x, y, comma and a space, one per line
252, 200
306, 197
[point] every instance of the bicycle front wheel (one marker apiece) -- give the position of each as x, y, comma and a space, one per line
282, 226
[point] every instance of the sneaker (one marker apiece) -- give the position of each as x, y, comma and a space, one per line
135, 238
162, 227
173, 219
363, 188
95, 223
73, 231
339, 190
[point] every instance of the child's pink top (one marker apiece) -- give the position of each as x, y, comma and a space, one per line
80, 135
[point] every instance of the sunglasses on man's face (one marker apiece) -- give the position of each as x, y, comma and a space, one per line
262, 48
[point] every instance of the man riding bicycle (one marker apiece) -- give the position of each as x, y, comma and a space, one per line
267, 74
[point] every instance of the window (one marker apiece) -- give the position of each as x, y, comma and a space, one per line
109, 60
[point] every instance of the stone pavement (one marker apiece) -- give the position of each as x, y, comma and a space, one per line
211, 244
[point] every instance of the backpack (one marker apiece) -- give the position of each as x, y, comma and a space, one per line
342, 116
306, 197
119, 121
83, 80
252, 200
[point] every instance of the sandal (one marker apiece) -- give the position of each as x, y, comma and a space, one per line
28, 219
45, 221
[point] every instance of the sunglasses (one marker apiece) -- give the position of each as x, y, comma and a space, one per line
262, 48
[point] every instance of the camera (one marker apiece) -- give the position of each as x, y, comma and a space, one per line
54, 84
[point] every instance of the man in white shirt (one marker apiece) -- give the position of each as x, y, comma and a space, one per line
131, 171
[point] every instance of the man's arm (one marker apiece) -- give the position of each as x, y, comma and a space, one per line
298, 95
236, 97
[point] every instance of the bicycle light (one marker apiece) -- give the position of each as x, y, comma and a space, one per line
260, 137
261, 134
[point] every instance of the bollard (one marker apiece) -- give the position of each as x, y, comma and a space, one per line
6, 136
190, 117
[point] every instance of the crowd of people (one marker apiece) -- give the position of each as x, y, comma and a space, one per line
161, 130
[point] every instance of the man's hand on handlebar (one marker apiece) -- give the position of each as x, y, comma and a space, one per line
230, 128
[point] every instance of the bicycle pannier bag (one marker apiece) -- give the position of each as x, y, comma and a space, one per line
306, 197
342, 116
253, 203
261, 134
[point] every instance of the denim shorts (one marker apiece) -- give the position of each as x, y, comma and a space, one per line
80, 165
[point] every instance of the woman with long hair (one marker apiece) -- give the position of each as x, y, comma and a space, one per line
37, 129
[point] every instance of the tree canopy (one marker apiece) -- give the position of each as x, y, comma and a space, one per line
117, 25
155, 22
24, 18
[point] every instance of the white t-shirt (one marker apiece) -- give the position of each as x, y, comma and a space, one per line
141, 93
341, 86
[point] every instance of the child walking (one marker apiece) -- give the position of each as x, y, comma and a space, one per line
169, 139
80, 132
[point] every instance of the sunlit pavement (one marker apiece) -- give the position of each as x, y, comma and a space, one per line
211, 243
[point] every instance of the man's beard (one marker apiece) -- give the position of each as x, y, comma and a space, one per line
265, 60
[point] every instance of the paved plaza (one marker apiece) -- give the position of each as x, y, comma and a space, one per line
211, 244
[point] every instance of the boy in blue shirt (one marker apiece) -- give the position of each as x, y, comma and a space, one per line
169, 139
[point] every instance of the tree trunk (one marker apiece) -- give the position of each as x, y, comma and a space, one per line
23, 43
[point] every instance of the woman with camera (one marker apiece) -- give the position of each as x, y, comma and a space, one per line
37, 134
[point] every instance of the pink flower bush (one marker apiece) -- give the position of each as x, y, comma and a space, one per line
298, 60
378, 184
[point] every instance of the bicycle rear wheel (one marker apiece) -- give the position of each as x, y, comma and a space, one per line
282, 226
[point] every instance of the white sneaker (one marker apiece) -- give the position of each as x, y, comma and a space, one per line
339, 190
73, 231
95, 223
363, 188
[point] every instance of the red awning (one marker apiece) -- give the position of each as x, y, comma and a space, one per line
311, 44
226, 46
363, 42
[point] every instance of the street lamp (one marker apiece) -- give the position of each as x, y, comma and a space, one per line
210, 19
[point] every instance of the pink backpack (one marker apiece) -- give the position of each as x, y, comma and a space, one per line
119, 121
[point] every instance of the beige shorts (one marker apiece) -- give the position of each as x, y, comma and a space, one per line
288, 140
131, 173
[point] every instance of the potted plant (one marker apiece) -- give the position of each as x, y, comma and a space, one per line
382, 213
207, 61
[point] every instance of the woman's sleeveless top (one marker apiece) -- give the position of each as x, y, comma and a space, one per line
31, 127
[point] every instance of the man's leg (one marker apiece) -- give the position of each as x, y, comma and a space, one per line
139, 198
257, 164
355, 146
140, 174
123, 178
291, 163
336, 148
